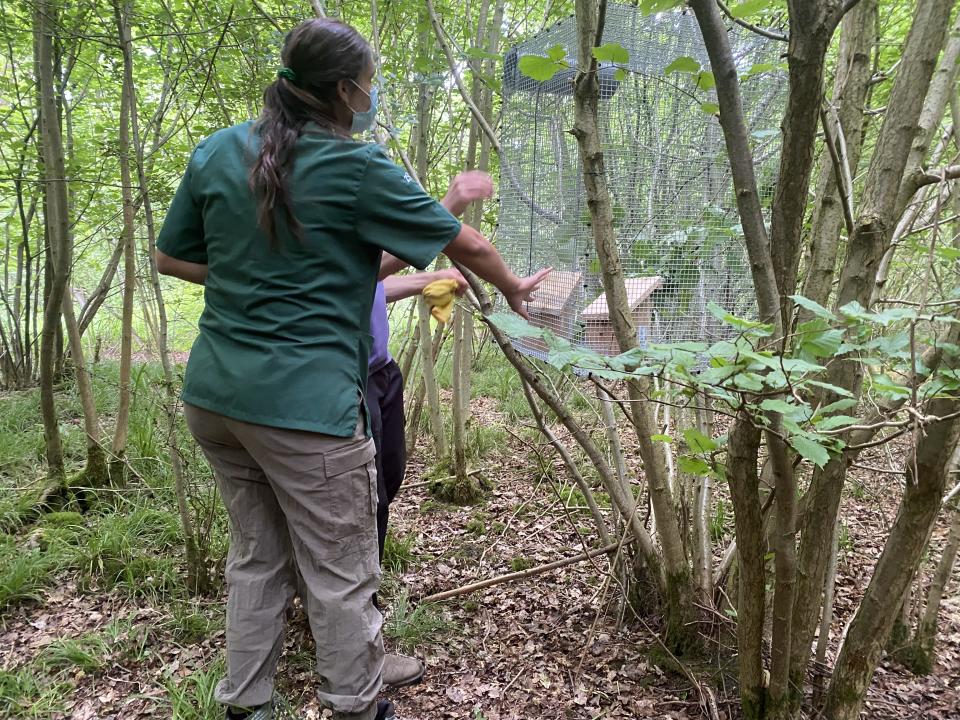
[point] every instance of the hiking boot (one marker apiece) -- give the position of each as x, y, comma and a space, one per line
261, 712
401, 670
385, 710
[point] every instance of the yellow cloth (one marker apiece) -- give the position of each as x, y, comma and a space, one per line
440, 295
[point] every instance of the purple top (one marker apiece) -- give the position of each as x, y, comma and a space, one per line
380, 330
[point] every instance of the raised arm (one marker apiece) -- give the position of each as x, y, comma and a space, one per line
399, 287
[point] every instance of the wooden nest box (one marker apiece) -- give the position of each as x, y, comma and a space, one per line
599, 330
553, 306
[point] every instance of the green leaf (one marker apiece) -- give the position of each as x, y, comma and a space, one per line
796, 365
844, 404
620, 75
810, 450
475, 53
698, 442
683, 64
710, 108
949, 253
778, 406
756, 328
515, 326
835, 421
557, 53
813, 306
758, 68
842, 392
706, 80
886, 386
818, 339
539, 68
748, 381
749, 7
661, 438
693, 466
612, 52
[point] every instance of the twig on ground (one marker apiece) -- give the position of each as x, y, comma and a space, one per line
520, 575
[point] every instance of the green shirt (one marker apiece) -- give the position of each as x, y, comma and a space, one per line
284, 333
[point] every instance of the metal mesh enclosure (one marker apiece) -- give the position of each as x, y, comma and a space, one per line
674, 210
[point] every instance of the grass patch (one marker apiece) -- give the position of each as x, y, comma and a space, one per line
520, 563
89, 653
138, 551
398, 552
24, 574
23, 695
191, 697
410, 626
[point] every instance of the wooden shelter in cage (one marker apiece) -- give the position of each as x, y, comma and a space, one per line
674, 210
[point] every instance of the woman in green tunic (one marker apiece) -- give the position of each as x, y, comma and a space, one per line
286, 222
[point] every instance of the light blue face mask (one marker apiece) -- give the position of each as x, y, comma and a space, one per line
363, 121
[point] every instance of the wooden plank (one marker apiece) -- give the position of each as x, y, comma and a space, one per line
555, 292
638, 290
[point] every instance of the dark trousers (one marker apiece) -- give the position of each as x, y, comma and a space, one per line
385, 401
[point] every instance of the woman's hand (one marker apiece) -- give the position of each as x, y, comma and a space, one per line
524, 291
453, 274
467, 187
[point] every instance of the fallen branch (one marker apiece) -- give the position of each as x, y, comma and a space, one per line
510, 577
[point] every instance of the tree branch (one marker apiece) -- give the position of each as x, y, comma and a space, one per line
267, 16
509, 577
840, 171
951, 172
770, 34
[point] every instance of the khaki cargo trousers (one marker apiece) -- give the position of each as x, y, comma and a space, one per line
310, 499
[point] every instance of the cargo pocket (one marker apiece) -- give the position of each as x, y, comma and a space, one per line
348, 474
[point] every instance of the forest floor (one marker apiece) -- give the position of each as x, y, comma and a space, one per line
555, 645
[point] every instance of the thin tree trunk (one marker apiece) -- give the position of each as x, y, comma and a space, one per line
571, 466
57, 224
198, 577
426, 346
122, 428
748, 521
679, 605
96, 473
851, 87
942, 86
702, 503
927, 471
924, 642
100, 293
874, 226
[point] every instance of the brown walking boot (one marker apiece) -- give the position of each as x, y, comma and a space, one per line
401, 670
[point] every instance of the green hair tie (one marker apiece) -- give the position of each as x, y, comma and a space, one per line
288, 74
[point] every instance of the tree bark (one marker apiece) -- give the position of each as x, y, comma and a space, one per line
875, 222
942, 86
57, 221
924, 642
679, 604
811, 28
198, 576
95, 473
927, 470
744, 484
851, 87
122, 428
735, 134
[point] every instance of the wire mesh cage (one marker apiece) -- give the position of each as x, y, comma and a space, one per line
673, 205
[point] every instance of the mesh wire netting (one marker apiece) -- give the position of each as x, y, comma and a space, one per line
674, 211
